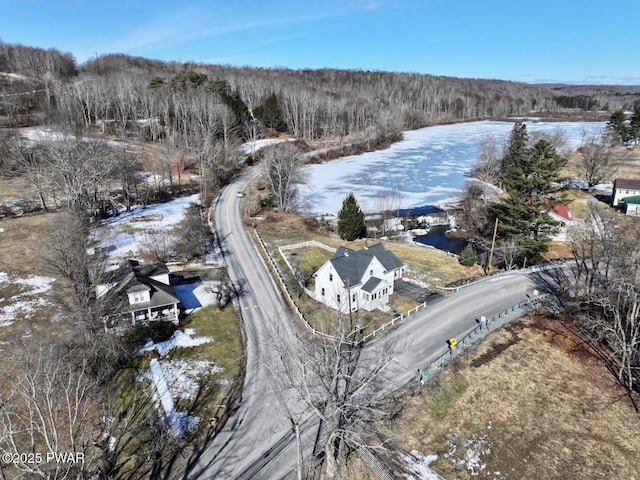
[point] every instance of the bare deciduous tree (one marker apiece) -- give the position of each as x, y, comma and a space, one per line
597, 161
53, 407
488, 166
508, 252
605, 293
341, 383
282, 168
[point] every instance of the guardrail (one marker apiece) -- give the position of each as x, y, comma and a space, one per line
484, 324
534, 268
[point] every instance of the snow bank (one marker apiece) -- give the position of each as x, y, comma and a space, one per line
179, 339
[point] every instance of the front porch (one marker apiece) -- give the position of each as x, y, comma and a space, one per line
167, 313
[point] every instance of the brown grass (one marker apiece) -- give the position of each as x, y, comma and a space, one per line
536, 403
628, 163
426, 264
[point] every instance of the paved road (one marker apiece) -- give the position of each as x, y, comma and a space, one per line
257, 441
264, 413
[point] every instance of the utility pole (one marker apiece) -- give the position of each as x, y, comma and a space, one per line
493, 244
296, 429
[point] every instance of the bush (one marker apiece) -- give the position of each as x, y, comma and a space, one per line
468, 256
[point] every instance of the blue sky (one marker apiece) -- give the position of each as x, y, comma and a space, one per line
571, 41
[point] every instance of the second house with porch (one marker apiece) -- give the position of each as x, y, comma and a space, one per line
142, 292
358, 279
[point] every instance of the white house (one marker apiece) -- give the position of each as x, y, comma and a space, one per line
355, 279
631, 205
143, 292
624, 187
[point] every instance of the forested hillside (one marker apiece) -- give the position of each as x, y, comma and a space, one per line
187, 100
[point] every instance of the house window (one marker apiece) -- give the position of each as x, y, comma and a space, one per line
365, 296
322, 292
338, 298
373, 297
353, 297
331, 277
371, 272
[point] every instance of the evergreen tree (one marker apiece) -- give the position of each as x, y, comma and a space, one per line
468, 256
533, 185
618, 128
634, 125
516, 147
351, 220
270, 114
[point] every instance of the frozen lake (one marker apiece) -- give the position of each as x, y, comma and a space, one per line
426, 168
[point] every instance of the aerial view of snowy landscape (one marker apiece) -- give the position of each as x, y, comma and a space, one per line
341, 240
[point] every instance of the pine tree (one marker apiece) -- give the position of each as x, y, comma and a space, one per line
634, 123
351, 220
533, 184
468, 256
617, 127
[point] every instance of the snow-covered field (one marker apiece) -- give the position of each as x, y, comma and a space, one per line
175, 379
30, 297
427, 168
122, 236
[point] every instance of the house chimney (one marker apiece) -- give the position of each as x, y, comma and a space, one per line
366, 245
346, 253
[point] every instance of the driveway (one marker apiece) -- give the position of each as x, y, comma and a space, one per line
411, 290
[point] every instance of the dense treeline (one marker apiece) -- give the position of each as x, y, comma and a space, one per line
327, 104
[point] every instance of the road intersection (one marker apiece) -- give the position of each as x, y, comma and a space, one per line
257, 440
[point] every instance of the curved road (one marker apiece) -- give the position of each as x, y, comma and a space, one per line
257, 441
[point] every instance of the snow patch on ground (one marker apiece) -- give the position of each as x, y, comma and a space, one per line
177, 379
47, 135
31, 296
253, 147
418, 466
201, 294
469, 455
179, 339
183, 377
179, 422
123, 235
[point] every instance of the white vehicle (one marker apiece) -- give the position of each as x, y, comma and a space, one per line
240, 194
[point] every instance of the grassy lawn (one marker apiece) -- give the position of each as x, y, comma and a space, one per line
134, 405
530, 402
427, 265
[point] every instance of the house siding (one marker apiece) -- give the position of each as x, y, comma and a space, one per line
332, 290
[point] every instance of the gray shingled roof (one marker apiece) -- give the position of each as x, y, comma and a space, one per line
371, 284
351, 265
130, 278
388, 260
